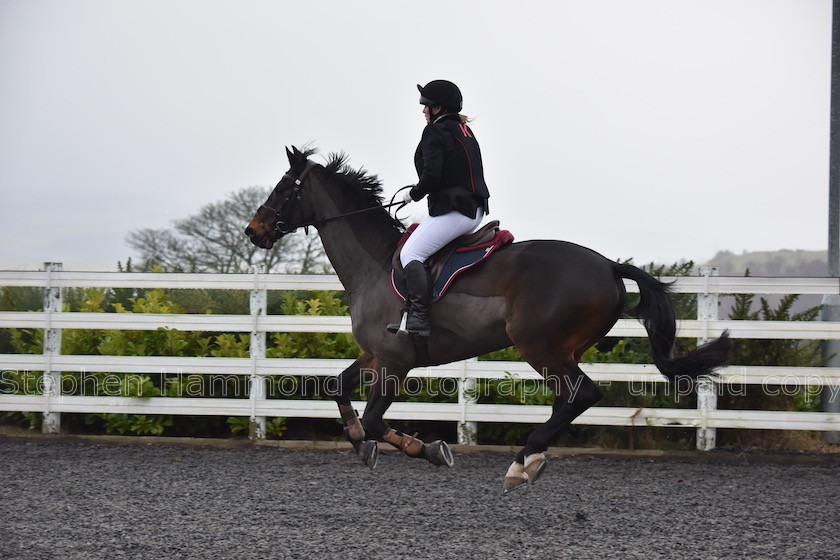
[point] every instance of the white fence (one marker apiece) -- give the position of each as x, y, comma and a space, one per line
706, 417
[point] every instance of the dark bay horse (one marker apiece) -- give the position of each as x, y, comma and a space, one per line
550, 299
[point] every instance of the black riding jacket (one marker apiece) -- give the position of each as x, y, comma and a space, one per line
448, 162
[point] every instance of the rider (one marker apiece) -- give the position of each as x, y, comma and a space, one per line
448, 162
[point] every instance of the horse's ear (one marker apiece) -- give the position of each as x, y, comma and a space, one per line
289, 155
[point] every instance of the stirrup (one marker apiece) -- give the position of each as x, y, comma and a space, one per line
424, 332
399, 328
402, 329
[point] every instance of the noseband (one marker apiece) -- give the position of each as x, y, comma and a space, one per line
287, 205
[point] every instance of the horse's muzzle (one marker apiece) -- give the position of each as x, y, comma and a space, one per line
263, 241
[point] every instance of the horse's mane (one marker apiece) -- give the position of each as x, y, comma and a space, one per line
365, 184
369, 186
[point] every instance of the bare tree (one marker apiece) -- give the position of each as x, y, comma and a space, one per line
213, 241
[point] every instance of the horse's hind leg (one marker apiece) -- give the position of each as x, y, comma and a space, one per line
574, 393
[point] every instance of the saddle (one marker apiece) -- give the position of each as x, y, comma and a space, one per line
458, 255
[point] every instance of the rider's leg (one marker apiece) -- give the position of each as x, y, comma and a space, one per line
431, 235
419, 287
436, 231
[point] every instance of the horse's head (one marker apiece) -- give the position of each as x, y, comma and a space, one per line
286, 209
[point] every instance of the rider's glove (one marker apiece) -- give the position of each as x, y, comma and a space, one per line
416, 193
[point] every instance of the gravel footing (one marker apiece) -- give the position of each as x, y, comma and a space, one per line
79, 500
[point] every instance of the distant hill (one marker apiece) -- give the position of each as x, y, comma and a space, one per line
772, 263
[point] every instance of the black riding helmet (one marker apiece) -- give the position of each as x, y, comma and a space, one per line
443, 93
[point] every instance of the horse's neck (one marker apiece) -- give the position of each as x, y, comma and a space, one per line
356, 253
358, 247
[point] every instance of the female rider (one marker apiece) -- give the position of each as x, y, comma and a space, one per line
449, 167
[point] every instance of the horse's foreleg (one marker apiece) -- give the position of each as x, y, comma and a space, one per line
353, 429
574, 393
348, 380
384, 390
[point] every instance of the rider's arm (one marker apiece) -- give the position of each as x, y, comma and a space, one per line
432, 149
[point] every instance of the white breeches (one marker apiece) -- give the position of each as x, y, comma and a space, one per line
436, 231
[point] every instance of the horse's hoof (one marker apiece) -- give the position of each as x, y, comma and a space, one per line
369, 453
516, 477
534, 466
438, 453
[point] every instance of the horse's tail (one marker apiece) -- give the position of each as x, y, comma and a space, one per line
656, 312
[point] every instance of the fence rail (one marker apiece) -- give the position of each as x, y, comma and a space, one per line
466, 412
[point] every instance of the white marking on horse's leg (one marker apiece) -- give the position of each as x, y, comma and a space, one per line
516, 477
534, 466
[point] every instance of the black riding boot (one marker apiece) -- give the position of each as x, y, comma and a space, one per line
419, 290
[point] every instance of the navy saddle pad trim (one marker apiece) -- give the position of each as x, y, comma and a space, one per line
457, 263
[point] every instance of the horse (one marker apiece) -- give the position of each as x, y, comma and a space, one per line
552, 300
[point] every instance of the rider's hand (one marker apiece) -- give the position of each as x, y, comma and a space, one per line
407, 197
416, 193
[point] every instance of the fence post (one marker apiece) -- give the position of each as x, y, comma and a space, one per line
707, 310
467, 431
51, 381
259, 302
831, 355
831, 302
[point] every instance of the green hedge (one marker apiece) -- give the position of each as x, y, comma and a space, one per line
169, 342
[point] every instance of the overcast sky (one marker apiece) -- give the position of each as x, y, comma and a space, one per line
655, 129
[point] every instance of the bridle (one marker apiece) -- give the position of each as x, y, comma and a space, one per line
282, 213
287, 205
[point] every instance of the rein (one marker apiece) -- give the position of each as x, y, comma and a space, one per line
287, 205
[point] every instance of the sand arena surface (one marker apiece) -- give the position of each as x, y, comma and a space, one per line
69, 500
